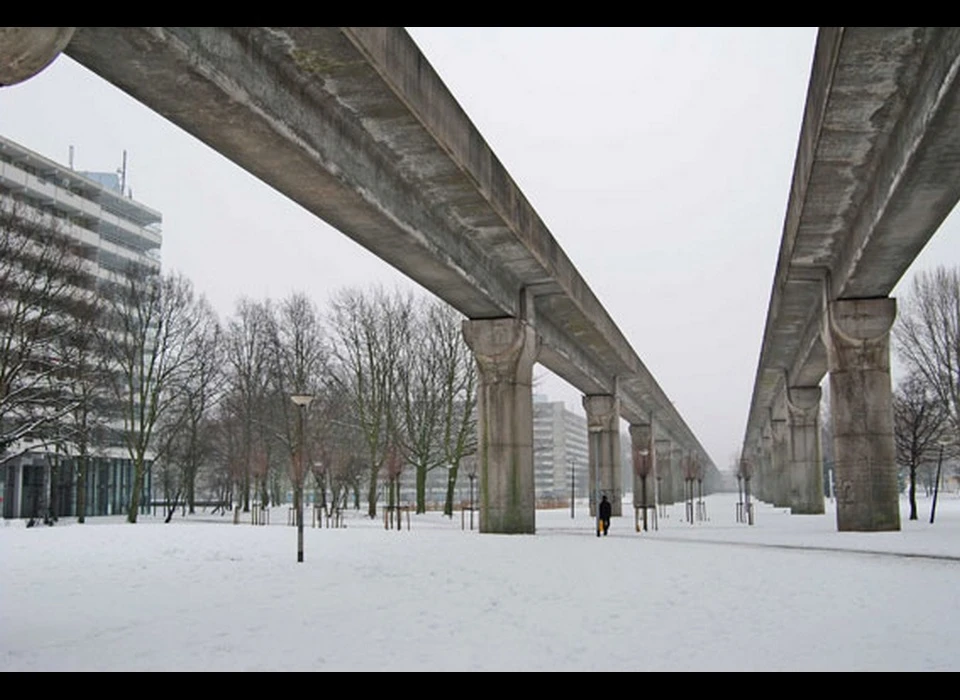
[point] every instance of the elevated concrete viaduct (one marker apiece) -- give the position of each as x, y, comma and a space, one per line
877, 170
355, 125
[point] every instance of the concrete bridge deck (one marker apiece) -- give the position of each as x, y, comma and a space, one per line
877, 170
355, 125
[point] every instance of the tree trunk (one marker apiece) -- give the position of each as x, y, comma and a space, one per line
191, 491
172, 507
134, 506
451, 482
397, 480
51, 517
82, 489
421, 489
913, 492
265, 492
372, 496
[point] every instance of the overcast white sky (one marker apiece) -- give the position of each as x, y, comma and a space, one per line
659, 158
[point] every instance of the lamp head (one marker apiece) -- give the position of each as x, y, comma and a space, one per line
302, 399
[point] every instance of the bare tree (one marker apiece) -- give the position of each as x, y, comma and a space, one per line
418, 395
457, 379
927, 335
918, 420
369, 333
221, 477
43, 274
152, 333
247, 351
183, 433
83, 379
437, 390
337, 449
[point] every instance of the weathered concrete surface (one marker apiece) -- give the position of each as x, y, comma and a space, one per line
779, 462
506, 350
353, 124
25, 51
877, 171
665, 472
603, 446
861, 402
766, 465
806, 460
679, 479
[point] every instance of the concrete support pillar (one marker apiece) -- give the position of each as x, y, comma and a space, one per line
766, 466
747, 472
688, 466
779, 462
679, 480
756, 462
857, 337
665, 472
603, 426
506, 350
806, 461
644, 465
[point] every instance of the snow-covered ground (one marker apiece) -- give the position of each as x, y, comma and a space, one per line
203, 594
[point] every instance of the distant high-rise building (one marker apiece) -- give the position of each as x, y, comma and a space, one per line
559, 452
113, 231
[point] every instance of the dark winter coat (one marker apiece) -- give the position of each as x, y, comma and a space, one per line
604, 509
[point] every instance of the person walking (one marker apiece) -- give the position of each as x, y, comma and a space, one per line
604, 511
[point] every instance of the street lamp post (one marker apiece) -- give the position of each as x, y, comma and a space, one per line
747, 470
472, 474
944, 441
302, 401
573, 486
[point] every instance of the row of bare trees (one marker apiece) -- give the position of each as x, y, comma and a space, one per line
391, 385
134, 360
409, 383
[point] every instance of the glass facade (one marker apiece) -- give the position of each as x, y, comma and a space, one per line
32, 488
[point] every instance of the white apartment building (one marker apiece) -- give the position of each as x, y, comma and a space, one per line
93, 209
559, 460
560, 456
